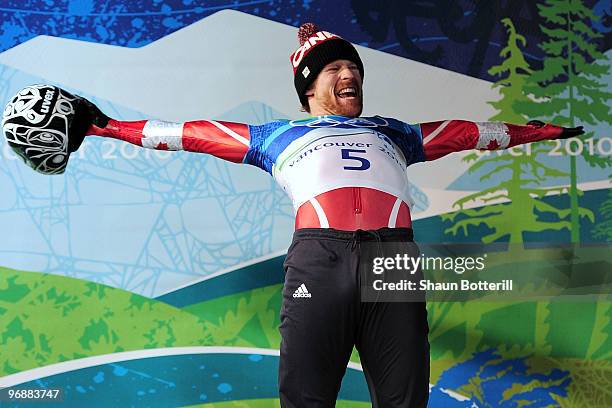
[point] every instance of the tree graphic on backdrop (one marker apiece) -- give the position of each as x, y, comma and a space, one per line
519, 174
568, 90
524, 169
604, 228
543, 325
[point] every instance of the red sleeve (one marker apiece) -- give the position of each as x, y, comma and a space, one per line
444, 137
226, 140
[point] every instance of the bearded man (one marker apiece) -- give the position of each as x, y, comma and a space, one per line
346, 177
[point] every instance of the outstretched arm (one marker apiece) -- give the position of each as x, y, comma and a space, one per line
444, 137
226, 140
44, 124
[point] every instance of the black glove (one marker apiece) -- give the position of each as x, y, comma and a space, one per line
565, 132
43, 124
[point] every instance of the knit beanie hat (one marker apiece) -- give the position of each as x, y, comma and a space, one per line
317, 49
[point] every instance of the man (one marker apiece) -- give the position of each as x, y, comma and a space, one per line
346, 178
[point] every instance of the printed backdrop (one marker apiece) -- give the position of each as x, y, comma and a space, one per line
145, 278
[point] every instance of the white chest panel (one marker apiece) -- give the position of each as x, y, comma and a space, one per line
329, 158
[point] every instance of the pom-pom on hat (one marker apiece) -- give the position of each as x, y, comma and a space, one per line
317, 49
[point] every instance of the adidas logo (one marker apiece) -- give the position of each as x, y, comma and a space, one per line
301, 292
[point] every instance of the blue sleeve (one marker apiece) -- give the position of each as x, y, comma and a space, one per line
409, 139
256, 155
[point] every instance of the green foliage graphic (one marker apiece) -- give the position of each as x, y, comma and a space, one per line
591, 383
569, 89
514, 71
571, 335
604, 226
246, 319
526, 171
45, 319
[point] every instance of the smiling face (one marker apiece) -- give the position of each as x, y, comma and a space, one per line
337, 90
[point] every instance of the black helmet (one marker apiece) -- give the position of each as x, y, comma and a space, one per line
43, 124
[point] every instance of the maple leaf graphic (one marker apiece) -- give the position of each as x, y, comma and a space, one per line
493, 145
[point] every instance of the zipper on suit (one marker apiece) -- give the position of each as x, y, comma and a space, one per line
357, 200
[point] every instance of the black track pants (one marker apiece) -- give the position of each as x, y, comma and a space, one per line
322, 317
